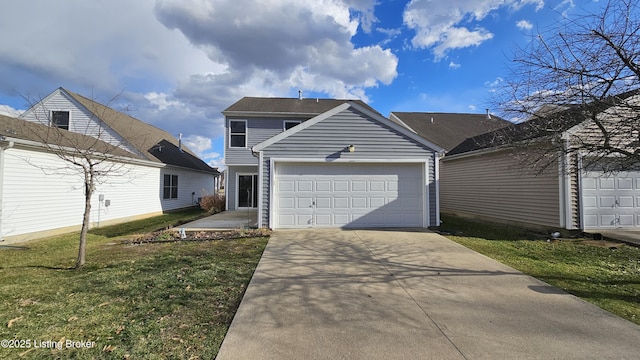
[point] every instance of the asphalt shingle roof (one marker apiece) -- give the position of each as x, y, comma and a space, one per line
295, 106
145, 138
449, 129
26, 130
551, 120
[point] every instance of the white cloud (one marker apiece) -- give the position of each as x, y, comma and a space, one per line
454, 66
178, 63
265, 51
198, 144
524, 25
446, 25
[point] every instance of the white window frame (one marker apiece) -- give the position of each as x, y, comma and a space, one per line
171, 186
246, 133
52, 124
285, 122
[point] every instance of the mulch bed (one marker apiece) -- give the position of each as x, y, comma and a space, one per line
173, 235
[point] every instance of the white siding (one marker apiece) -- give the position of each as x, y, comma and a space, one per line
38, 195
80, 120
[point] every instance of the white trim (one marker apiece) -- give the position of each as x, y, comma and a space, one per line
426, 212
3, 148
38, 146
246, 133
426, 206
68, 120
260, 193
272, 190
338, 109
340, 160
409, 133
401, 122
580, 200
436, 179
562, 192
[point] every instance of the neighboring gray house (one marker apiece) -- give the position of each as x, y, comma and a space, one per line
485, 177
328, 163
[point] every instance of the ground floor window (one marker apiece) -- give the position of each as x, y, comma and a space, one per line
170, 187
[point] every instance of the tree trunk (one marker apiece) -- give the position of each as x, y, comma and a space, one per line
88, 193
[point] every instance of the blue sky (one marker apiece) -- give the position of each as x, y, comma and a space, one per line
178, 63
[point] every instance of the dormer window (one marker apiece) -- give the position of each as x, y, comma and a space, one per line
237, 133
288, 124
60, 119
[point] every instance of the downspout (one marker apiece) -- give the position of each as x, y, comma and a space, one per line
4, 144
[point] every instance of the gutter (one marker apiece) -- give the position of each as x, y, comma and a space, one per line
4, 145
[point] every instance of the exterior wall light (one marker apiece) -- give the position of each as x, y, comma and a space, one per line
352, 148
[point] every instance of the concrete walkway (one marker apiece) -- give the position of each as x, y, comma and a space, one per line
333, 294
226, 220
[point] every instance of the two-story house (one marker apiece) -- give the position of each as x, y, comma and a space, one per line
327, 163
150, 170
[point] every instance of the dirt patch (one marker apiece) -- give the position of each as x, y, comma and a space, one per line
602, 243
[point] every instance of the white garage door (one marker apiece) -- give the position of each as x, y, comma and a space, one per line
348, 195
611, 201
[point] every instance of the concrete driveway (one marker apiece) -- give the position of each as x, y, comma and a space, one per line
363, 294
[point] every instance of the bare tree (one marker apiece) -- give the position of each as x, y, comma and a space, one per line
583, 72
91, 153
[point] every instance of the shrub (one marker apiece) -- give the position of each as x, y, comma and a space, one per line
213, 204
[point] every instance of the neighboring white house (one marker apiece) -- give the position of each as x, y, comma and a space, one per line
328, 163
41, 195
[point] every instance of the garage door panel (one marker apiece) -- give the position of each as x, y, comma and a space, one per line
343, 195
611, 200
323, 203
625, 201
323, 185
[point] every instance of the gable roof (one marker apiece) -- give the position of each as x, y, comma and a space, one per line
38, 133
549, 120
344, 106
448, 129
265, 106
145, 138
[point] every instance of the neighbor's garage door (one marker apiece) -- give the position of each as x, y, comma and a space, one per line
348, 195
611, 201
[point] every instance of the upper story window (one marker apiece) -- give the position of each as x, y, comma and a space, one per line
288, 124
237, 133
60, 119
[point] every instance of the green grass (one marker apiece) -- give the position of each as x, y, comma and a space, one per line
169, 300
607, 277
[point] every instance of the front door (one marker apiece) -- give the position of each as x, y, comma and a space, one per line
247, 191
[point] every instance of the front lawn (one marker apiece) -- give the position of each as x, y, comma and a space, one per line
603, 273
161, 300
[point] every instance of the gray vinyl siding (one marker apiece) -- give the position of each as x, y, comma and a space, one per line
231, 190
329, 138
258, 130
495, 186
